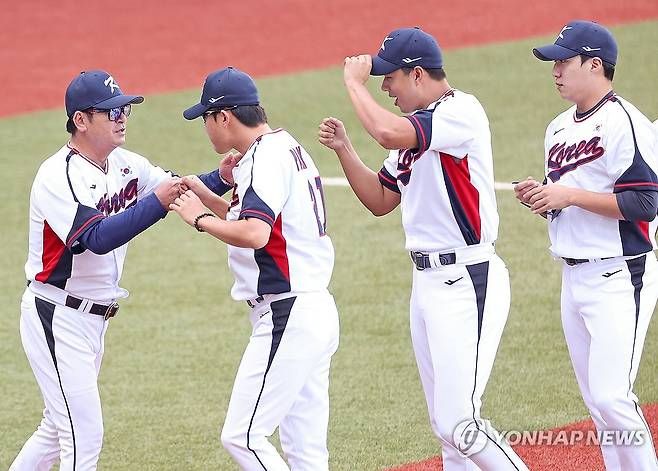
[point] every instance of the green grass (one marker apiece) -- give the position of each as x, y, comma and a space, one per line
172, 352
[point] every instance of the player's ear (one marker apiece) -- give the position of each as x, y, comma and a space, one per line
81, 120
596, 64
418, 73
224, 117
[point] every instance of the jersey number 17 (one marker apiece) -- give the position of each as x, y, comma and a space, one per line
317, 195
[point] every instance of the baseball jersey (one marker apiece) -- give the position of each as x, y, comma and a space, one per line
69, 194
446, 184
277, 182
609, 149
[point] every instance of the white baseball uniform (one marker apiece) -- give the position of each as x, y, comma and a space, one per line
610, 286
283, 379
64, 345
461, 294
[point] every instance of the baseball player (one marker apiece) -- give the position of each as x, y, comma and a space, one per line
87, 201
282, 260
600, 197
440, 171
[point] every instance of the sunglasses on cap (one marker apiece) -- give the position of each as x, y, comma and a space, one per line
114, 113
211, 112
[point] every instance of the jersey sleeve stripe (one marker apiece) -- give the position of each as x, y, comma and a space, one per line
257, 214
637, 184
420, 133
388, 181
72, 238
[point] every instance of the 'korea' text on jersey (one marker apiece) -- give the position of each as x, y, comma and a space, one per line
609, 149
69, 194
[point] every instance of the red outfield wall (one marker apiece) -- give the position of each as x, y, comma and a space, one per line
153, 46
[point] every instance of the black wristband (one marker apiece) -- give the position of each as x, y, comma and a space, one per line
199, 217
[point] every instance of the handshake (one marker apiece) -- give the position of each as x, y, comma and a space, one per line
190, 197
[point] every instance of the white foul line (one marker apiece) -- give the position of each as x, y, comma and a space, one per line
341, 181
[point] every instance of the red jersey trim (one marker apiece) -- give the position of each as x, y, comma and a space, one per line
625, 185
259, 213
77, 233
52, 251
422, 145
276, 248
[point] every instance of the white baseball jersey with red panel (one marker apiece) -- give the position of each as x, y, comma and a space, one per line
69, 193
446, 185
610, 149
277, 182
458, 310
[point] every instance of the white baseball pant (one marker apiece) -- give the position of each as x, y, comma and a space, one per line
283, 381
65, 349
458, 313
606, 309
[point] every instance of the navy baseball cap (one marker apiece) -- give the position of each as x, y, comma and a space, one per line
580, 37
407, 47
223, 89
96, 89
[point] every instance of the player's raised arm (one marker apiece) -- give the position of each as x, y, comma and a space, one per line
364, 181
388, 129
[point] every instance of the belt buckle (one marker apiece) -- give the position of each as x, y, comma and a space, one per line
421, 260
445, 259
111, 311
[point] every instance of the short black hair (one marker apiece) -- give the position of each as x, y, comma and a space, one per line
436, 74
250, 115
608, 69
70, 127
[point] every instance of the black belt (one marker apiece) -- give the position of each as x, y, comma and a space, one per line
422, 259
577, 261
99, 309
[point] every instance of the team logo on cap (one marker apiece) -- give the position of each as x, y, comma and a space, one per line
387, 38
561, 36
109, 82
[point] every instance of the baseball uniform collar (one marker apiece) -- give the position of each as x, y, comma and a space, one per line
579, 117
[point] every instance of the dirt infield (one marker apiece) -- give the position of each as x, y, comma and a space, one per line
154, 46
579, 456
